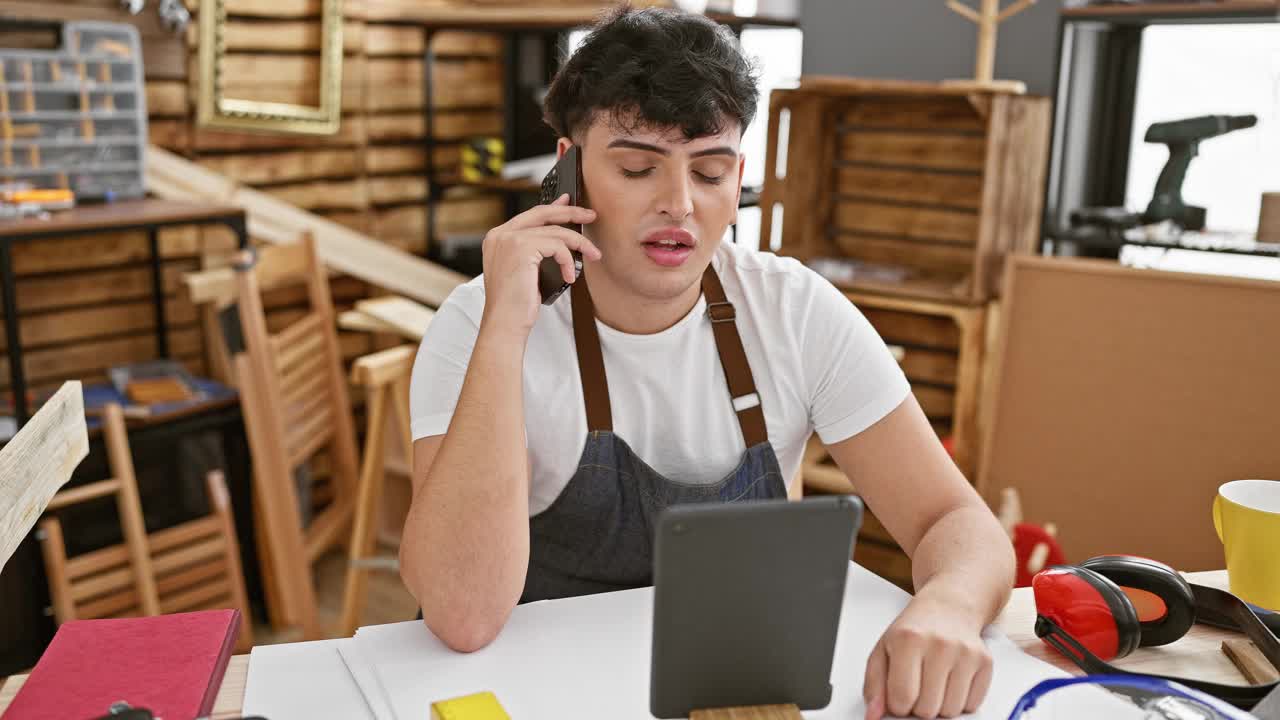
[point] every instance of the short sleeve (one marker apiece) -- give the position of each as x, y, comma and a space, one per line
852, 378
441, 363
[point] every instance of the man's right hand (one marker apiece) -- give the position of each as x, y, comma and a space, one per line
512, 253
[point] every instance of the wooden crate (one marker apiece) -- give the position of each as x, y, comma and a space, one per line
922, 187
944, 352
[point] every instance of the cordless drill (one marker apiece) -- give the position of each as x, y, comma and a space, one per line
1183, 138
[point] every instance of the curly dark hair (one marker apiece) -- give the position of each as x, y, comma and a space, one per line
654, 68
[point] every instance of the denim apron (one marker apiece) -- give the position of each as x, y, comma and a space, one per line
597, 536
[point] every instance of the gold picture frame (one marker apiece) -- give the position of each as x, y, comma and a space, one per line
215, 110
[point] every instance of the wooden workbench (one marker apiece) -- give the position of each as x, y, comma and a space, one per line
1198, 654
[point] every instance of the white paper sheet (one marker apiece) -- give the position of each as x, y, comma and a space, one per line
589, 657
366, 680
302, 681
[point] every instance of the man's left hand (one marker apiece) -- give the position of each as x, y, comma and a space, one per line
930, 662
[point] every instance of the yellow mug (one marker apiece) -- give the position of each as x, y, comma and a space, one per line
1246, 514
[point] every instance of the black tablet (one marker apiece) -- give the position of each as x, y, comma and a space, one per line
747, 599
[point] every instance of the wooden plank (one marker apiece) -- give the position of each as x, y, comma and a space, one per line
918, 223
169, 134
102, 583
92, 358
196, 597
304, 383
166, 99
170, 538
106, 249
328, 194
286, 166
306, 407
247, 69
385, 159
1250, 661
381, 40
916, 150
97, 286
960, 190
937, 402
358, 220
409, 318
755, 712
449, 125
913, 329
356, 320
396, 84
287, 35
351, 98
462, 215
278, 8
388, 190
274, 221
351, 132
302, 441
914, 113
107, 320
947, 259
1014, 194
175, 581
39, 460
931, 366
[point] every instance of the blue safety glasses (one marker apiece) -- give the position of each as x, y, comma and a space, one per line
1151, 698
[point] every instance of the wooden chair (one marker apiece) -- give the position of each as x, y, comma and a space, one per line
37, 461
114, 581
385, 378
295, 403
191, 566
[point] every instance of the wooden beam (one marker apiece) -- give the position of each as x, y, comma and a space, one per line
275, 221
409, 318
37, 461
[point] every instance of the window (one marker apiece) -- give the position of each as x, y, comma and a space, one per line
1190, 70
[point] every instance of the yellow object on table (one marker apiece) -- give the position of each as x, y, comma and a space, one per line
480, 706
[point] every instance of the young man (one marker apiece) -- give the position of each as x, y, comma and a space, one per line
549, 438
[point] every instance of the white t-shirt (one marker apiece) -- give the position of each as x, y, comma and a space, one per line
817, 363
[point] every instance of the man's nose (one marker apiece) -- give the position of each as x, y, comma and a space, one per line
677, 199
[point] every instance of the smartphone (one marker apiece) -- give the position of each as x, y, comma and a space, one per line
563, 178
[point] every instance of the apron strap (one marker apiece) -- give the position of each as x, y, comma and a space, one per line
733, 358
595, 386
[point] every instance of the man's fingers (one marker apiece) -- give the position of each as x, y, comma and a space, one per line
935, 669
573, 240
558, 213
902, 684
980, 685
550, 247
957, 692
873, 682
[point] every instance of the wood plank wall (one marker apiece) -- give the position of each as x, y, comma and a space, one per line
85, 303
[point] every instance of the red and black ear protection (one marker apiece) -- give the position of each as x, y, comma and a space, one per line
1108, 606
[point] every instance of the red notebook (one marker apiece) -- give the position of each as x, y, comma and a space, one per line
170, 664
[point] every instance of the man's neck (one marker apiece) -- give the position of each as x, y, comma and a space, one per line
633, 315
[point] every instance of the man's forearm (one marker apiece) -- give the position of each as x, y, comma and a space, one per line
966, 559
467, 534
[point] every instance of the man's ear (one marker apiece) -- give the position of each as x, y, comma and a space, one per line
563, 145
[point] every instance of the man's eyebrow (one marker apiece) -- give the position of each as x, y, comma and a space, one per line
635, 145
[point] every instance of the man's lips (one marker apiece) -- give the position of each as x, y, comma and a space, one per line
670, 235
669, 247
